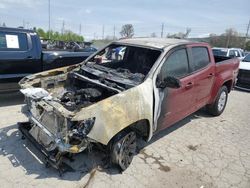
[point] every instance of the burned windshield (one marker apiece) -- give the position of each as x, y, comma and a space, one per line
127, 59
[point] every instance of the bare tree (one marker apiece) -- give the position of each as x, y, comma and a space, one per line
153, 35
127, 31
230, 38
188, 30
180, 35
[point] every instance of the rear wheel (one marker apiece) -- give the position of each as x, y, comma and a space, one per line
219, 104
123, 149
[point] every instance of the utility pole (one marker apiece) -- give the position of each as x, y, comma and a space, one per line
63, 25
49, 18
80, 29
114, 33
27, 23
162, 29
246, 35
102, 32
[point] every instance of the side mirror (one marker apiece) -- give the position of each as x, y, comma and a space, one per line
169, 81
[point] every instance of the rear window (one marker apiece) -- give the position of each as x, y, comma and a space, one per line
234, 53
200, 57
219, 52
13, 41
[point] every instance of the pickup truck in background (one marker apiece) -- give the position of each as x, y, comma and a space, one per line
229, 52
243, 78
21, 54
112, 101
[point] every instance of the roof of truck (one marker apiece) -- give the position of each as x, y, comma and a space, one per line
16, 29
159, 43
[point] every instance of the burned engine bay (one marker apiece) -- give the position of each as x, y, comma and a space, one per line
88, 85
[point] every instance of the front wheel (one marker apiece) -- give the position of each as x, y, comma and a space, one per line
220, 102
123, 149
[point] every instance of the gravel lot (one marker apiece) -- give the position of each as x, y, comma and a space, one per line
200, 151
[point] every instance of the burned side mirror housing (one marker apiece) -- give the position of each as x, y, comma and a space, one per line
168, 81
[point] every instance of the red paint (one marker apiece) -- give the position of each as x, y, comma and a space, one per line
198, 89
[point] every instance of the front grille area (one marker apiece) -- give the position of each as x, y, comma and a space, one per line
243, 79
49, 120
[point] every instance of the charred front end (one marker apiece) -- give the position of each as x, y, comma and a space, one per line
52, 104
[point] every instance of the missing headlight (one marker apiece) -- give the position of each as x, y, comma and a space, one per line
81, 129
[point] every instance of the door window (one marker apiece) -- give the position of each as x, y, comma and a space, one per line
13, 41
200, 57
176, 64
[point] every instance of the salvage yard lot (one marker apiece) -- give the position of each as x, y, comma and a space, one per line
199, 151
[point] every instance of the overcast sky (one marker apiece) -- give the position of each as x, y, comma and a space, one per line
202, 16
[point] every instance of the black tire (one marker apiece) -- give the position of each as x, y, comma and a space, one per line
220, 102
123, 149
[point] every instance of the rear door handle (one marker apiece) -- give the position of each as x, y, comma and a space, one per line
210, 75
189, 85
29, 57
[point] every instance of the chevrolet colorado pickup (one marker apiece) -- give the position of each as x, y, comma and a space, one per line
21, 54
113, 101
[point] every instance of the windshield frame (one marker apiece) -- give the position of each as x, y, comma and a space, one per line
161, 50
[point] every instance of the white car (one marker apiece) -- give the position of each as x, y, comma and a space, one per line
243, 79
229, 52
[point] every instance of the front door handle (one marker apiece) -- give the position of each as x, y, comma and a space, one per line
189, 85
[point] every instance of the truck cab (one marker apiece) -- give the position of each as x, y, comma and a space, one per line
21, 55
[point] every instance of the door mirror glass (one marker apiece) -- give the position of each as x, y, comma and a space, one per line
168, 81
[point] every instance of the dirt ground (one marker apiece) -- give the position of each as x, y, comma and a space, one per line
200, 151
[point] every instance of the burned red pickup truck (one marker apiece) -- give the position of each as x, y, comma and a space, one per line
112, 100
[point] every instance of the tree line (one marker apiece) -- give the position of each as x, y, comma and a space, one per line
230, 39
67, 35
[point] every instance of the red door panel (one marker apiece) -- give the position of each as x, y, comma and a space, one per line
177, 103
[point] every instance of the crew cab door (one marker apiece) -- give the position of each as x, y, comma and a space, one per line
175, 103
16, 58
203, 72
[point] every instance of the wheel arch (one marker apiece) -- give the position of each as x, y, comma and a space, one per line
216, 89
141, 127
228, 84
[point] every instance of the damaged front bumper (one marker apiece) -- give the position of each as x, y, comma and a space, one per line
50, 141
51, 157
